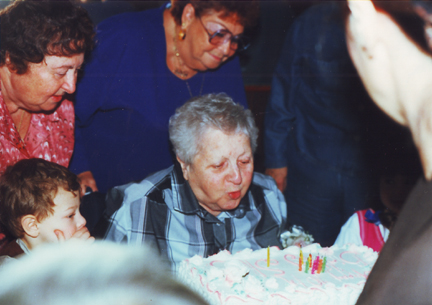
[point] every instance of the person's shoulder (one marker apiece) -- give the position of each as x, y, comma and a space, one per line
6, 260
131, 22
324, 11
155, 183
264, 181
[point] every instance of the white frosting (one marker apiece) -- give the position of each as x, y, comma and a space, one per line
244, 278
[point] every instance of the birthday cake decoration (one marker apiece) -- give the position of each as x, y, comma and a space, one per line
295, 275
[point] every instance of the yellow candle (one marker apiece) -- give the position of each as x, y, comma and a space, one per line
268, 256
301, 254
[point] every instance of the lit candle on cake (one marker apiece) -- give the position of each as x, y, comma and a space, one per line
324, 264
307, 266
301, 254
301, 259
268, 256
320, 264
315, 265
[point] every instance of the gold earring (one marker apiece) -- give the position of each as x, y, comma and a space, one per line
181, 34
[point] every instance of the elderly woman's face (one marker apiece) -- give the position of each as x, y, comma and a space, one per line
44, 85
221, 172
201, 55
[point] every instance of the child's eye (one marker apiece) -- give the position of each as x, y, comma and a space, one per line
71, 216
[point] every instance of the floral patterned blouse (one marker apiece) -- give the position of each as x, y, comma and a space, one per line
50, 137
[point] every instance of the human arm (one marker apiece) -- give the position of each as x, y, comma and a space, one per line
279, 117
350, 232
87, 180
279, 175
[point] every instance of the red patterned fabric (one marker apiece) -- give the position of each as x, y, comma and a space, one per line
50, 137
370, 233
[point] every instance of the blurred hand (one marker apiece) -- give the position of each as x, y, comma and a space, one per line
82, 234
87, 180
279, 175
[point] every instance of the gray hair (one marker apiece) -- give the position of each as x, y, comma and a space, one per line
218, 111
102, 273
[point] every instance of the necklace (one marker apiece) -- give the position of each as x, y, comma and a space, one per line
21, 120
21, 144
177, 71
201, 89
183, 74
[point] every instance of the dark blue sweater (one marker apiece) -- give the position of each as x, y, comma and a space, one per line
127, 95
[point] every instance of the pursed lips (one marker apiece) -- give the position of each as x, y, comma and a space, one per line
235, 195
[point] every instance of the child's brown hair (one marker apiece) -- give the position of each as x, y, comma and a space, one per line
29, 187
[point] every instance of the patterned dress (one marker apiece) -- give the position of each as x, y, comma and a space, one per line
50, 136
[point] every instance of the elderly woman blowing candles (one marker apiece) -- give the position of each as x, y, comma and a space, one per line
147, 64
42, 48
211, 200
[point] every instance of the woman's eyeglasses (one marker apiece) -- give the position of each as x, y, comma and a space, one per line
220, 37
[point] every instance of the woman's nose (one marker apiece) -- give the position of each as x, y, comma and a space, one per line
69, 83
235, 175
226, 48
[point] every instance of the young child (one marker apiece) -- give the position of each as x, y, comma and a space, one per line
39, 203
371, 227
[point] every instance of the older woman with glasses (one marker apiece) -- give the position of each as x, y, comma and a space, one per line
146, 64
211, 200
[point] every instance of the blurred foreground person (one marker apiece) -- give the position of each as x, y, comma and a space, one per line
389, 43
92, 274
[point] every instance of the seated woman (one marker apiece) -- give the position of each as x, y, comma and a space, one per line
211, 200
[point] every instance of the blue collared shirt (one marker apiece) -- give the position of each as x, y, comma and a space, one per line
317, 99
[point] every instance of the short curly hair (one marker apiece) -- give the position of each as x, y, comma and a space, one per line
29, 187
218, 111
32, 29
246, 10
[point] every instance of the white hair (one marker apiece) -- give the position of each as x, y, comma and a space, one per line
102, 273
196, 116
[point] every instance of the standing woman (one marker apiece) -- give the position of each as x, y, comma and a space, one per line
146, 64
42, 48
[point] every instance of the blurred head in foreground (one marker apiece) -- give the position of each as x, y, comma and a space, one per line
78, 272
390, 45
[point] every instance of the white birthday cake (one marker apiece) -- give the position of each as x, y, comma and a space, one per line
308, 275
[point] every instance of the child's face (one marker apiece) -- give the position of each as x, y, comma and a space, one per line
394, 189
66, 217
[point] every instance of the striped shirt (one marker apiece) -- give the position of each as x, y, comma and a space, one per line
162, 210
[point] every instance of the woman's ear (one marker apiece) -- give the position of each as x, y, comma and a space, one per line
185, 168
30, 225
188, 15
9, 64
